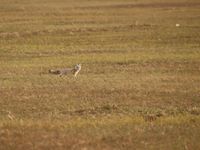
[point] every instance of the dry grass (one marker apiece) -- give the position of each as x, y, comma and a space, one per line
138, 87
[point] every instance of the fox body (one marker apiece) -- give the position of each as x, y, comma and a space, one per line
66, 71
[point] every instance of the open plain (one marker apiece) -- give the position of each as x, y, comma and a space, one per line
139, 87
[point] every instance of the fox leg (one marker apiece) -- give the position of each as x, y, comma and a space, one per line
75, 73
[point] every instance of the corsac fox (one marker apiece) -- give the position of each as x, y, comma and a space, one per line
66, 71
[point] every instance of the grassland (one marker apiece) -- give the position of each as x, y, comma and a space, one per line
139, 87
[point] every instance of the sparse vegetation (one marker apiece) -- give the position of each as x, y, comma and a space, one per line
139, 87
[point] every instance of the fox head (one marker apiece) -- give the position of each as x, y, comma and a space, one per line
77, 66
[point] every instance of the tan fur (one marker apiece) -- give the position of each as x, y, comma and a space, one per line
66, 71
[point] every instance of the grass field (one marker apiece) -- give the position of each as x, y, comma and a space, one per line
139, 87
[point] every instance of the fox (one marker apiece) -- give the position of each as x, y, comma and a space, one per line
65, 71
